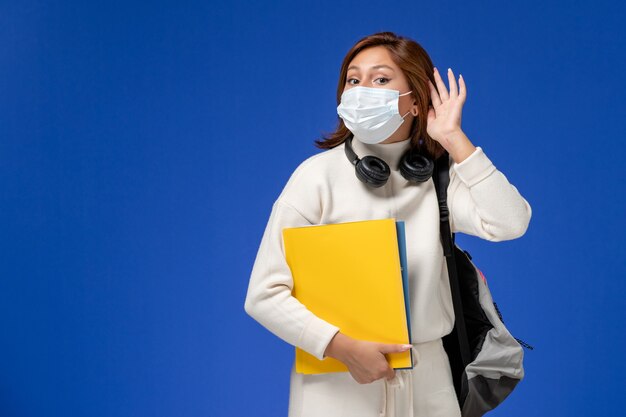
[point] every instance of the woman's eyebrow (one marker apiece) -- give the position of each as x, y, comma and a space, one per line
374, 67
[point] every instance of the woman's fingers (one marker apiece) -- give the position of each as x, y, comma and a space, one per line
368, 362
454, 91
434, 94
441, 87
393, 348
462, 89
440, 93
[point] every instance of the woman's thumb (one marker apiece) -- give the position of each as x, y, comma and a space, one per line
431, 115
393, 348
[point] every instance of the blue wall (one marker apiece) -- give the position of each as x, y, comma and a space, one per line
142, 145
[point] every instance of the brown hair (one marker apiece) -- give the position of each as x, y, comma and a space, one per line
417, 67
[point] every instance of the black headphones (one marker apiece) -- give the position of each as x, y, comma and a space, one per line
374, 172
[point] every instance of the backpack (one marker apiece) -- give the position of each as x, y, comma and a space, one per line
485, 359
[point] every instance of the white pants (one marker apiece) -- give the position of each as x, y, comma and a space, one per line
339, 395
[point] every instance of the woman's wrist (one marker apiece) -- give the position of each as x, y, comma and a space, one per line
458, 145
338, 346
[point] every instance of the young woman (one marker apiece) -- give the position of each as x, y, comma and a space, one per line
392, 104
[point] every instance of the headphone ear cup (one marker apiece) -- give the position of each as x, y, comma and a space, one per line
415, 167
373, 171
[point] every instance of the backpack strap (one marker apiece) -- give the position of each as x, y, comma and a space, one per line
442, 179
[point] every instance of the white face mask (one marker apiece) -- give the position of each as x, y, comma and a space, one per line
371, 114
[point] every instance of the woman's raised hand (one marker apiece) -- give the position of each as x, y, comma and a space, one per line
444, 116
365, 360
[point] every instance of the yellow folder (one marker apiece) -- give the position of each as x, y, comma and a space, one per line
350, 275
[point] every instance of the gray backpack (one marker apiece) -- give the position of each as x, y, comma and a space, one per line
486, 360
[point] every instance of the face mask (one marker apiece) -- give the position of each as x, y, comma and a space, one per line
371, 114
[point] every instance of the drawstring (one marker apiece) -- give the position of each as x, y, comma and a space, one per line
403, 378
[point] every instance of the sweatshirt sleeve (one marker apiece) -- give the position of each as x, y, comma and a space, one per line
483, 203
269, 300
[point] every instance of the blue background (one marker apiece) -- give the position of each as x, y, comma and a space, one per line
142, 145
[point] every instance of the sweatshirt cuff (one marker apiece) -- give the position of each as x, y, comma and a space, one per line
316, 336
474, 168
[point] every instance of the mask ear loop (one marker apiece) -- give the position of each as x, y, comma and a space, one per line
404, 94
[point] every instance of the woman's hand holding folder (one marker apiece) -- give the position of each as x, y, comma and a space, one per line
365, 360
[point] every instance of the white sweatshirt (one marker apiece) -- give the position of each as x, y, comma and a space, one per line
324, 189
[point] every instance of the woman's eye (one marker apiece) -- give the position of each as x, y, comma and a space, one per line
383, 80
